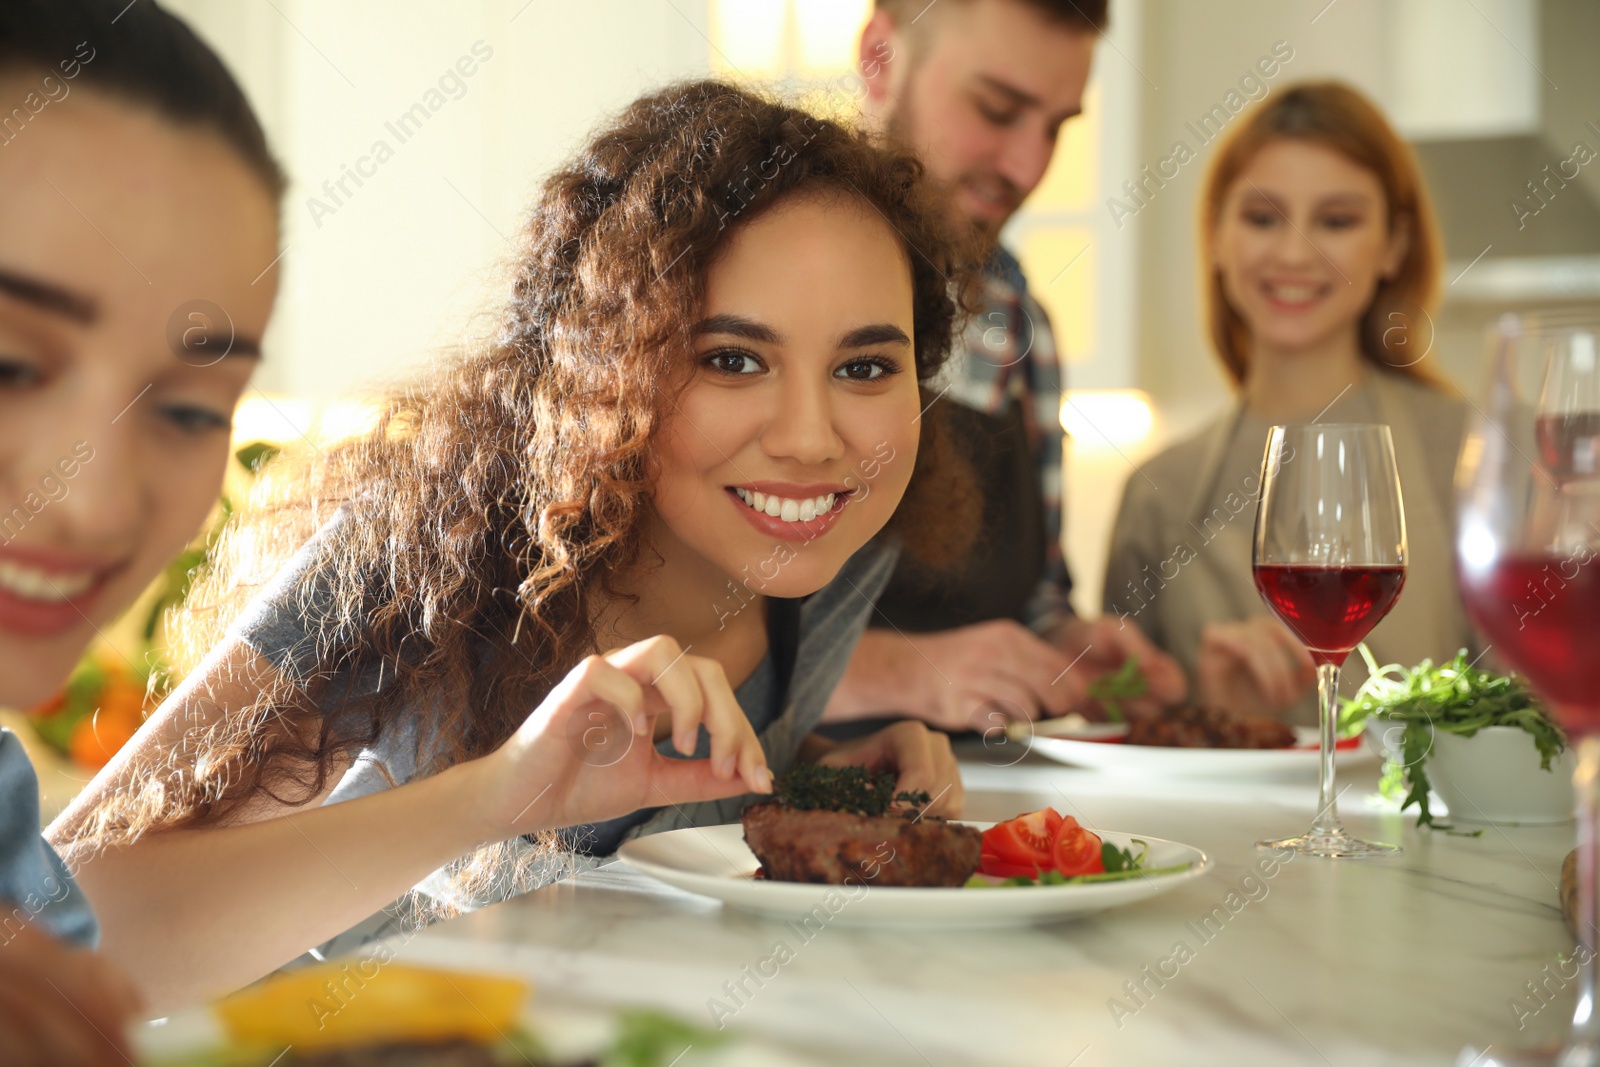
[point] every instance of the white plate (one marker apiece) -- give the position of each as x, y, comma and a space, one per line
715, 862
1121, 758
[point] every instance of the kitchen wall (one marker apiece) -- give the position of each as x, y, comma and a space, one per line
396, 225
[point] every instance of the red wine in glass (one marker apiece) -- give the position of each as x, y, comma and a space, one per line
1329, 608
1329, 559
1542, 613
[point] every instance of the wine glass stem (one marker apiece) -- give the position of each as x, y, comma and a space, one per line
1584, 1042
1327, 820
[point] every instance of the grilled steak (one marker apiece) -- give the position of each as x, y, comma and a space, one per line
829, 847
1208, 728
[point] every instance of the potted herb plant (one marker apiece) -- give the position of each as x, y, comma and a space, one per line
1480, 739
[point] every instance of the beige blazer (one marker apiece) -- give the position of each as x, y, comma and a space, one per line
1180, 549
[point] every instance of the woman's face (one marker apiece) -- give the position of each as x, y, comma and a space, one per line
794, 441
1302, 242
131, 250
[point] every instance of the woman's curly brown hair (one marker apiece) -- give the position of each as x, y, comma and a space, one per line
494, 499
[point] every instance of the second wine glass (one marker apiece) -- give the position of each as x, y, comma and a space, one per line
1330, 560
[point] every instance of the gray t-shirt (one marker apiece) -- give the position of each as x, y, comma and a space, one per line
34, 883
830, 622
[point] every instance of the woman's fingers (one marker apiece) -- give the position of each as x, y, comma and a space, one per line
735, 748
937, 773
654, 664
689, 781
596, 679
1301, 664
912, 754
1257, 655
695, 692
1273, 661
951, 796
1266, 663
1277, 659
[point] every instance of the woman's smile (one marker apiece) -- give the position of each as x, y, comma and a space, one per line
1293, 296
790, 512
44, 593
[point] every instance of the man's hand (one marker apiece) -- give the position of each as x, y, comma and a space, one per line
1255, 665
61, 1007
1097, 647
919, 756
963, 679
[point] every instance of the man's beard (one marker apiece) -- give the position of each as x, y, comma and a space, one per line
898, 130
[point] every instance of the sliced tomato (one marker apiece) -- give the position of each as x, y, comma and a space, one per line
1025, 841
1075, 850
995, 867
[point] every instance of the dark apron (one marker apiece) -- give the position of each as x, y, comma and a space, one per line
1002, 569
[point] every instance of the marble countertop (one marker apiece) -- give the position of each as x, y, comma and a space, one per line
1394, 961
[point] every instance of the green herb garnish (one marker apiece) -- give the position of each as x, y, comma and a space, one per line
1455, 697
1122, 859
653, 1039
810, 787
1127, 683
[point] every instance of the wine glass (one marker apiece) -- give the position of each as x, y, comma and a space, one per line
1330, 560
1528, 532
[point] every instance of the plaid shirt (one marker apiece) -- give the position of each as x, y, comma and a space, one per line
1009, 352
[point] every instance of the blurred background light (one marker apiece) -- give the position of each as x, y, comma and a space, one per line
1102, 418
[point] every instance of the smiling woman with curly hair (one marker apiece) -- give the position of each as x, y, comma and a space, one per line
656, 508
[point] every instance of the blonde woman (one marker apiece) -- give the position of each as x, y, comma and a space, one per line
1321, 270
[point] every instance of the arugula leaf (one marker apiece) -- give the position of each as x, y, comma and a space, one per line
1455, 698
1122, 859
1127, 683
655, 1039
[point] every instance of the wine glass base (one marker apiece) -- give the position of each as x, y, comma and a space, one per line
1334, 846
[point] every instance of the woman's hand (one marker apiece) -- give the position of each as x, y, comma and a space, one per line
1254, 665
586, 753
61, 1007
919, 756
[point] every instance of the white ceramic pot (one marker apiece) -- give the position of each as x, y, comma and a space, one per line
1494, 777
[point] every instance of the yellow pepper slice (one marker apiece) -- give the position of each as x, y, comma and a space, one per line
357, 1002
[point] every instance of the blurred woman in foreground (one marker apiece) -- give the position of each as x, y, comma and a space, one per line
137, 273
